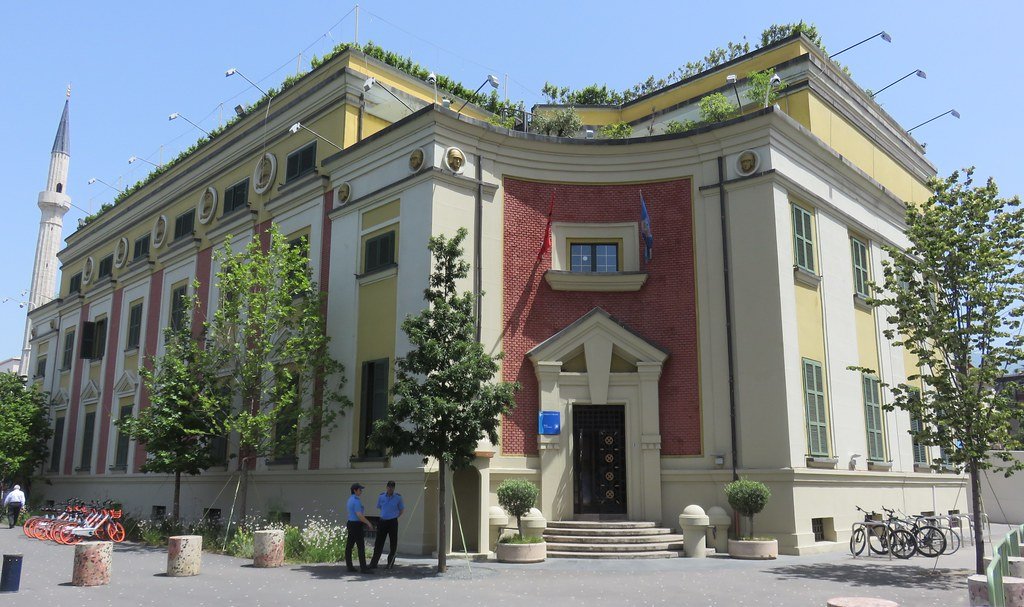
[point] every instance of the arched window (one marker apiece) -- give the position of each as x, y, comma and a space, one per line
60, 188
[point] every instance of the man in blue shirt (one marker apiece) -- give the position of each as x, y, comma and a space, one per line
355, 523
391, 507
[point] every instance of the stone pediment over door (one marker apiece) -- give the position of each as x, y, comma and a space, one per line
597, 343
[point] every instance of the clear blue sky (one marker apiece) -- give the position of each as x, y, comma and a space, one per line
132, 64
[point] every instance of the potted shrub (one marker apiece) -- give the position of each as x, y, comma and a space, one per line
517, 496
749, 497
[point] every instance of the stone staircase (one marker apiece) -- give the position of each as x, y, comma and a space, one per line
611, 540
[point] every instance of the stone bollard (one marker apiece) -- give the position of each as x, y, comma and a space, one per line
184, 555
534, 523
718, 532
268, 548
92, 564
860, 601
694, 524
497, 520
1014, 565
1013, 591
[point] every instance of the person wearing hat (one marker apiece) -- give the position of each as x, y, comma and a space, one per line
391, 507
14, 502
356, 537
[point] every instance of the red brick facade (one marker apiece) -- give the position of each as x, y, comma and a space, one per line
663, 311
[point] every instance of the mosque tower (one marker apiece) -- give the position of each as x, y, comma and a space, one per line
53, 204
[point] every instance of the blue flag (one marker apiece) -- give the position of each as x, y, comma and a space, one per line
645, 229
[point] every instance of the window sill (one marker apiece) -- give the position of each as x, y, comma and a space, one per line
882, 466
85, 470
949, 469
861, 303
561, 280
378, 274
814, 461
922, 468
119, 469
806, 277
131, 350
283, 462
298, 180
364, 462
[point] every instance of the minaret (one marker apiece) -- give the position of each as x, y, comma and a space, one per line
53, 204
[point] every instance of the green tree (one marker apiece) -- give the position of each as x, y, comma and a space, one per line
24, 428
616, 130
716, 107
747, 497
563, 122
517, 496
674, 126
760, 89
268, 338
953, 298
186, 412
445, 399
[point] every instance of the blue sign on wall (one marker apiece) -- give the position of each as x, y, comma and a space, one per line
549, 422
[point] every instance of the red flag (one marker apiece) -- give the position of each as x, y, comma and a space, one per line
546, 245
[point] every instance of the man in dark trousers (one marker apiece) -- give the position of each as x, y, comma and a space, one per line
356, 520
14, 502
391, 507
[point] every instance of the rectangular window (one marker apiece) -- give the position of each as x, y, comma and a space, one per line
236, 196
121, 454
814, 406
861, 274
803, 239
88, 429
69, 351
141, 248
134, 325
374, 399
920, 451
184, 224
594, 257
106, 266
301, 161
179, 307
873, 419
58, 442
100, 341
41, 366
75, 284
379, 252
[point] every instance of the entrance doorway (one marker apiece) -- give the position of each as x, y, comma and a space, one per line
599, 461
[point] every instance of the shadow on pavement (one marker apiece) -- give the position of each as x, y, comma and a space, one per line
901, 576
337, 572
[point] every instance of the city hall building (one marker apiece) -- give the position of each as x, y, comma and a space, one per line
720, 344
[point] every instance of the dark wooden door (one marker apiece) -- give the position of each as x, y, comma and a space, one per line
599, 458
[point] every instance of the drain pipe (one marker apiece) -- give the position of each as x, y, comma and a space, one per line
728, 313
478, 222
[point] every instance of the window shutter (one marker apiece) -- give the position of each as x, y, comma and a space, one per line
88, 340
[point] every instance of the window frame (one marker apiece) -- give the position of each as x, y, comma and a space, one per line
75, 283
861, 261
304, 162
133, 335
817, 428
40, 370
122, 445
871, 390
373, 400
231, 194
572, 243
58, 443
88, 438
106, 267
180, 230
68, 351
803, 238
140, 247
179, 298
380, 260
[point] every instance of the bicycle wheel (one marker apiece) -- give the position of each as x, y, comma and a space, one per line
115, 531
902, 543
952, 541
29, 524
930, 541
858, 540
878, 540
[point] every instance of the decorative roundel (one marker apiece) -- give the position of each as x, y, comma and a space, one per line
121, 252
159, 233
87, 270
609, 494
747, 162
343, 194
416, 159
609, 458
206, 208
608, 440
264, 173
454, 160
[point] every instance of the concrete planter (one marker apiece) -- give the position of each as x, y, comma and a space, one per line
754, 549
522, 553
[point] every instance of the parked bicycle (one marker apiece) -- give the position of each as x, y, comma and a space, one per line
929, 540
880, 537
77, 521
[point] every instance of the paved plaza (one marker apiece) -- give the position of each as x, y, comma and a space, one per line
138, 579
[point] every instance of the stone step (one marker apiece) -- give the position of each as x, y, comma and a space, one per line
597, 532
654, 554
599, 525
630, 548
613, 539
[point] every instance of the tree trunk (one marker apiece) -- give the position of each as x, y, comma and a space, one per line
244, 491
175, 511
979, 538
442, 512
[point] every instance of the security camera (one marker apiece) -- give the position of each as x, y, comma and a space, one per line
432, 78
368, 83
775, 81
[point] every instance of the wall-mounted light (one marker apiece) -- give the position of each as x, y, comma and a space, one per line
134, 159
239, 110
233, 71
93, 180
371, 82
954, 113
176, 115
918, 73
884, 35
491, 80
